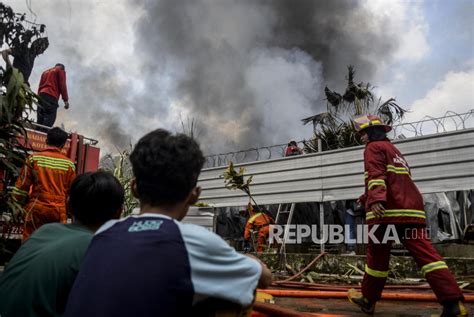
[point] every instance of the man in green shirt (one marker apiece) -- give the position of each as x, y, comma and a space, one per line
38, 279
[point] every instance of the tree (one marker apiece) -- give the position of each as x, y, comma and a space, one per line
335, 128
16, 97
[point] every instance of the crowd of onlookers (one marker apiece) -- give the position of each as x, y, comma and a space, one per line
149, 264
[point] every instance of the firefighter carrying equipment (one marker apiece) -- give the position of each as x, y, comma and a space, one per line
43, 186
367, 121
259, 222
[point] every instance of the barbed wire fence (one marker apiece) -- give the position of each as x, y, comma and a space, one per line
451, 121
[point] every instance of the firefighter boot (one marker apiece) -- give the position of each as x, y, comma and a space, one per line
363, 303
454, 309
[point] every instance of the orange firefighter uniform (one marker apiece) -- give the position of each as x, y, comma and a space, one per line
42, 186
259, 222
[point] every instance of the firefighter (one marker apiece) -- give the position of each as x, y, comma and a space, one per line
258, 222
392, 200
44, 182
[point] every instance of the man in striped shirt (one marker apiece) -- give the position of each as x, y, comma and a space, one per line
44, 182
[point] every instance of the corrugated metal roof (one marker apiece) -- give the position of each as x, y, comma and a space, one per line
439, 163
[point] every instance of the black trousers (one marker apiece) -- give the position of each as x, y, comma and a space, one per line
47, 110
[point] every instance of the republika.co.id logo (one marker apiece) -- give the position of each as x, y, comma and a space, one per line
335, 234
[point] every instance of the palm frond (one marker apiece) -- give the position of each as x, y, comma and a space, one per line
390, 111
334, 128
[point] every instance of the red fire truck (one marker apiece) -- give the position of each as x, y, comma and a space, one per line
81, 150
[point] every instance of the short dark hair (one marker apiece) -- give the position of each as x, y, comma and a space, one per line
60, 65
56, 137
95, 197
166, 167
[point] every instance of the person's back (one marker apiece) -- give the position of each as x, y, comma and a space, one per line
168, 265
44, 182
153, 265
38, 279
258, 222
53, 83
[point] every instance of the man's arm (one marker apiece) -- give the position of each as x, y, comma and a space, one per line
63, 86
23, 183
376, 182
6, 58
248, 229
266, 277
218, 271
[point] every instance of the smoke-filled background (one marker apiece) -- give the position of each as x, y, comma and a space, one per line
245, 71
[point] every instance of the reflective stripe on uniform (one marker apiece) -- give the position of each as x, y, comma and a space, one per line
252, 219
375, 273
366, 124
53, 162
376, 182
398, 170
366, 174
433, 266
18, 191
399, 213
52, 166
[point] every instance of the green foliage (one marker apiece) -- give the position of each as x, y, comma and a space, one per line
335, 128
202, 204
235, 180
17, 99
15, 30
120, 167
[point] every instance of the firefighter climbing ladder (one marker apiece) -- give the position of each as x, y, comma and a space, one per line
282, 210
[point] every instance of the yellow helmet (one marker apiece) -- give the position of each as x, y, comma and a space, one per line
370, 120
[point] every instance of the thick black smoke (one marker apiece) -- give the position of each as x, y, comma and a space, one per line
248, 71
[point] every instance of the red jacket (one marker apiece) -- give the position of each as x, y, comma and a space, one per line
293, 150
53, 83
388, 181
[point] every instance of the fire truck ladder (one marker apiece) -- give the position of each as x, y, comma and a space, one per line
282, 210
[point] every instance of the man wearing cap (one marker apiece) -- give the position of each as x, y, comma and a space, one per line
392, 200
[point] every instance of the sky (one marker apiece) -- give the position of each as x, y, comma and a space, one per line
246, 72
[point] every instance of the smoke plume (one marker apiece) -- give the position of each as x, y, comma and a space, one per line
246, 71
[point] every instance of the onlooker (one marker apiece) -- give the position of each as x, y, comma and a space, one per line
392, 199
24, 56
44, 182
38, 279
352, 213
153, 265
51, 86
293, 149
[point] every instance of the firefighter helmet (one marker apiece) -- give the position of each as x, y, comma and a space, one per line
370, 120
